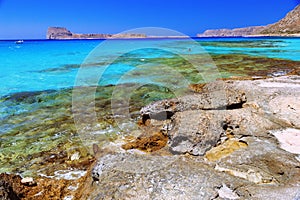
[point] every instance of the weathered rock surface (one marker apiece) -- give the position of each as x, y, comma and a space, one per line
63, 33
241, 108
231, 140
288, 26
156, 177
131, 176
213, 97
232, 124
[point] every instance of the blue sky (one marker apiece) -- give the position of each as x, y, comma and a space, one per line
30, 18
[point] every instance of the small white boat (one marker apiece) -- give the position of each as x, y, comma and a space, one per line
19, 42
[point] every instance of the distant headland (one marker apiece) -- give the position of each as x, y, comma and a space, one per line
62, 33
56, 33
287, 26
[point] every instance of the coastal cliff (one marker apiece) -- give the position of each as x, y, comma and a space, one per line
287, 26
56, 33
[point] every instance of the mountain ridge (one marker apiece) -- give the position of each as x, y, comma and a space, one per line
287, 26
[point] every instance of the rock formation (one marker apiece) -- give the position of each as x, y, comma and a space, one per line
63, 33
231, 139
234, 131
288, 26
58, 33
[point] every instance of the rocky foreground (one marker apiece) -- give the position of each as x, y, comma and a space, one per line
231, 139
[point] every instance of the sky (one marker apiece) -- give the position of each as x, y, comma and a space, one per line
29, 19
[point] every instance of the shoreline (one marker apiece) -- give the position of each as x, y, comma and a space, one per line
253, 36
268, 36
153, 141
240, 91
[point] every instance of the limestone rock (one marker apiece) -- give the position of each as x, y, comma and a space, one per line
195, 134
216, 96
240, 108
170, 177
289, 139
226, 193
132, 176
236, 133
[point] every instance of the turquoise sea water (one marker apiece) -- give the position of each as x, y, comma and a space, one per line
41, 65
37, 77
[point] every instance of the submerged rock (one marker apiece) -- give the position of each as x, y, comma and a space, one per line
14, 187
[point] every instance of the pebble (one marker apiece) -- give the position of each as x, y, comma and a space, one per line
68, 197
28, 181
75, 156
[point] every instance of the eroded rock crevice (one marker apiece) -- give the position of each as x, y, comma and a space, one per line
235, 106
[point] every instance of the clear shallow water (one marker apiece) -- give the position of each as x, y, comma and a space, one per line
37, 77
41, 65
285, 48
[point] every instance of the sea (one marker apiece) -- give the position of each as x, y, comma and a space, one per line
59, 97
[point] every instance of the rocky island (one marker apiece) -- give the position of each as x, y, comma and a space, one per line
288, 26
56, 33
